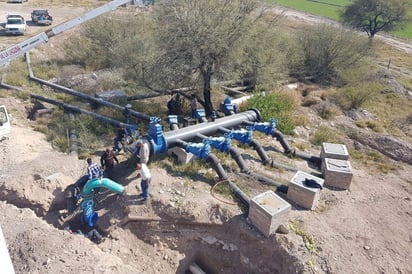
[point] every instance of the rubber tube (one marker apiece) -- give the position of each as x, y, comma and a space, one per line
282, 166
313, 159
261, 152
239, 193
214, 161
285, 145
235, 154
104, 182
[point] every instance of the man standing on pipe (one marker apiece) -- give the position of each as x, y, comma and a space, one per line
146, 180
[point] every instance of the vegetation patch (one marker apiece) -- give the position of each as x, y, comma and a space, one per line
308, 240
274, 105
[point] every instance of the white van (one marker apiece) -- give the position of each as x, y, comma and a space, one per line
4, 122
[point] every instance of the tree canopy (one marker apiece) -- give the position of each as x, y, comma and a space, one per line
373, 16
196, 39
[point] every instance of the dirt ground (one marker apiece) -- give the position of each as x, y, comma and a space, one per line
367, 229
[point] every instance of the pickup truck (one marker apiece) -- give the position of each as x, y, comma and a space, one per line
15, 25
41, 17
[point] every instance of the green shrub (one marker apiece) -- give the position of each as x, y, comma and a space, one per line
353, 97
322, 135
274, 105
325, 50
374, 125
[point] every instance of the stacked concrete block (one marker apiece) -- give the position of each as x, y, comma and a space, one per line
302, 191
336, 168
337, 173
268, 211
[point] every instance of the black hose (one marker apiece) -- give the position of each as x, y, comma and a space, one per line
282, 166
261, 178
239, 193
285, 145
313, 159
235, 154
214, 161
261, 152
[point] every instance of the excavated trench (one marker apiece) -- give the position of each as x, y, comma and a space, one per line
230, 247
225, 247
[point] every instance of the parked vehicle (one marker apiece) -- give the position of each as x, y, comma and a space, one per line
16, 1
4, 123
15, 25
41, 17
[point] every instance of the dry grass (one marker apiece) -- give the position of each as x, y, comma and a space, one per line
385, 53
68, 3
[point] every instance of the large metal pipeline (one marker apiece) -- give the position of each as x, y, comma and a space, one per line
74, 109
90, 98
209, 128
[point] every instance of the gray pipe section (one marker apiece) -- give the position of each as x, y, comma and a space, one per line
78, 110
209, 128
90, 98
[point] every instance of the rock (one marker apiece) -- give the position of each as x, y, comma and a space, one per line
282, 229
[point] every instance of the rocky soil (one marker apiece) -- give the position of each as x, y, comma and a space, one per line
366, 229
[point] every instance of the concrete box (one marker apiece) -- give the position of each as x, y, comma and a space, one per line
180, 154
302, 194
337, 173
267, 212
334, 151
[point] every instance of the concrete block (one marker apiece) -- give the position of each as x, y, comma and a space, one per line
180, 154
267, 212
334, 151
337, 173
302, 194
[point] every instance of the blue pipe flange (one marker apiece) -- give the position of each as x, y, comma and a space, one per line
242, 135
200, 150
156, 136
200, 113
266, 128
